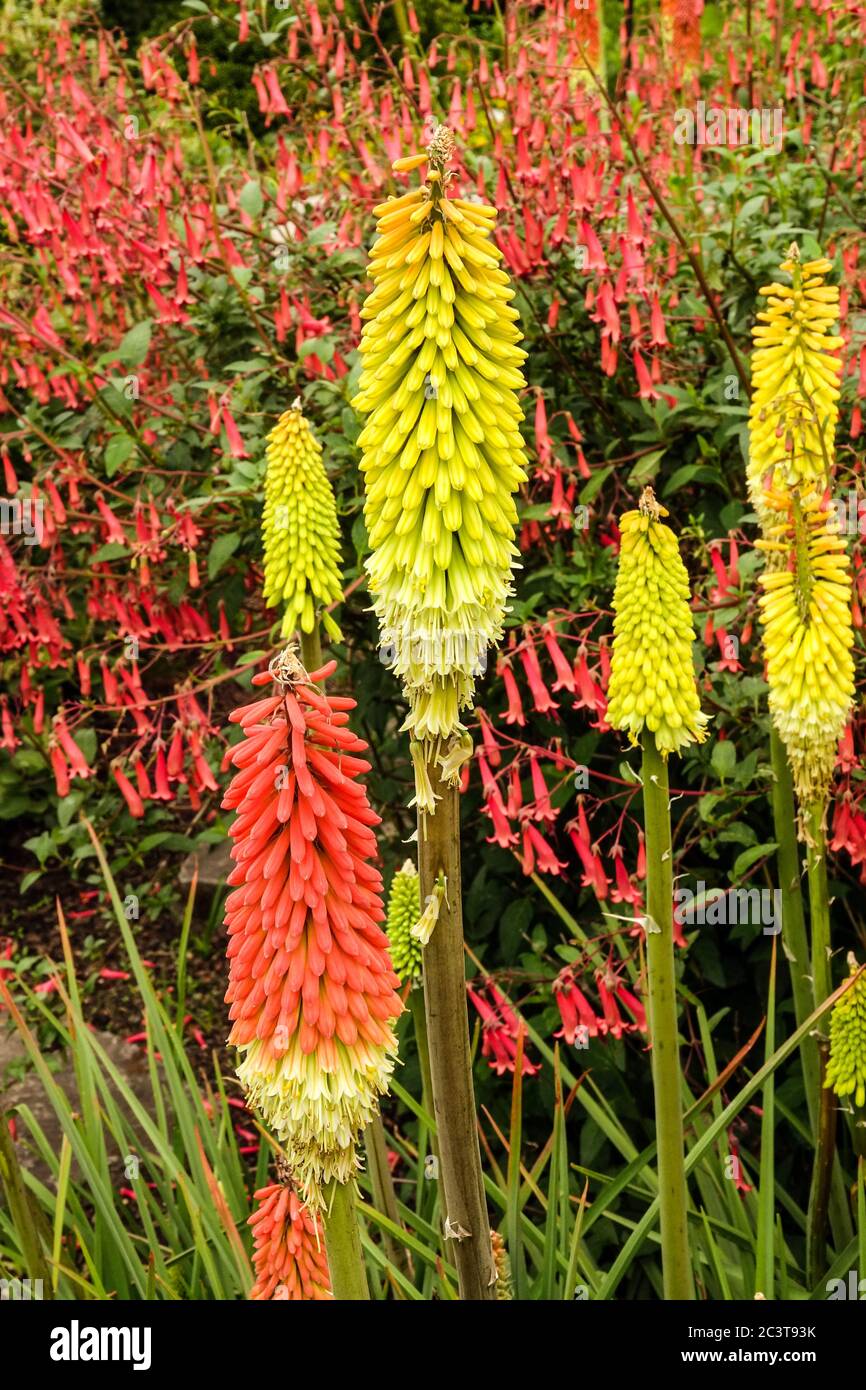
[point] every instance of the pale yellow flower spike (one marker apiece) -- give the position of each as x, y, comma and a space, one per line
808, 636
442, 449
795, 380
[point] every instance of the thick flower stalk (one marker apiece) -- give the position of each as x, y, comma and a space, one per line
289, 1255
404, 910
442, 449
795, 381
653, 697
846, 1069
808, 636
652, 682
299, 528
311, 986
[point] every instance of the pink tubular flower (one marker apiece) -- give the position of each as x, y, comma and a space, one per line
289, 1256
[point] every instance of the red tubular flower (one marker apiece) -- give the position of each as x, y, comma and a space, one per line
60, 768
502, 835
74, 754
129, 793
491, 747
633, 1005
564, 673
542, 810
612, 1019
500, 1032
515, 713
163, 790
311, 986
289, 1256
142, 781
574, 1008
546, 860
594, 875
625, 891
542, 698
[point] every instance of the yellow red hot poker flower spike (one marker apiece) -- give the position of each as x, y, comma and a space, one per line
299, 527
289, 1256
652, 681
795, 379
806, 613
311, 986
653, 697
442, 449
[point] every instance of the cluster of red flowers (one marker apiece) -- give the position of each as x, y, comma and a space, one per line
500, 1030
580, 1020
289, 1255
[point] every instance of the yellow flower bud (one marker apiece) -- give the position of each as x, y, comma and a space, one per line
299, 526
652, 680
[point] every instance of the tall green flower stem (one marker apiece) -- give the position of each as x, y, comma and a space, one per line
822, 1175
343, 1244
661, 973
311, 650
466, 1222
793, 920
819, 916
765, 1254
419, 1023
385, 1196
819, 901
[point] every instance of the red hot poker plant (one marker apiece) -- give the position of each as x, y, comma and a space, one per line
289, 1255
311, 986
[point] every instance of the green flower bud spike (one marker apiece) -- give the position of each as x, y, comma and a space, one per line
404, 909
846, 1069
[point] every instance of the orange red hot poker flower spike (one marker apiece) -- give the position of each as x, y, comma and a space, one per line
289, 1256
311, 986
